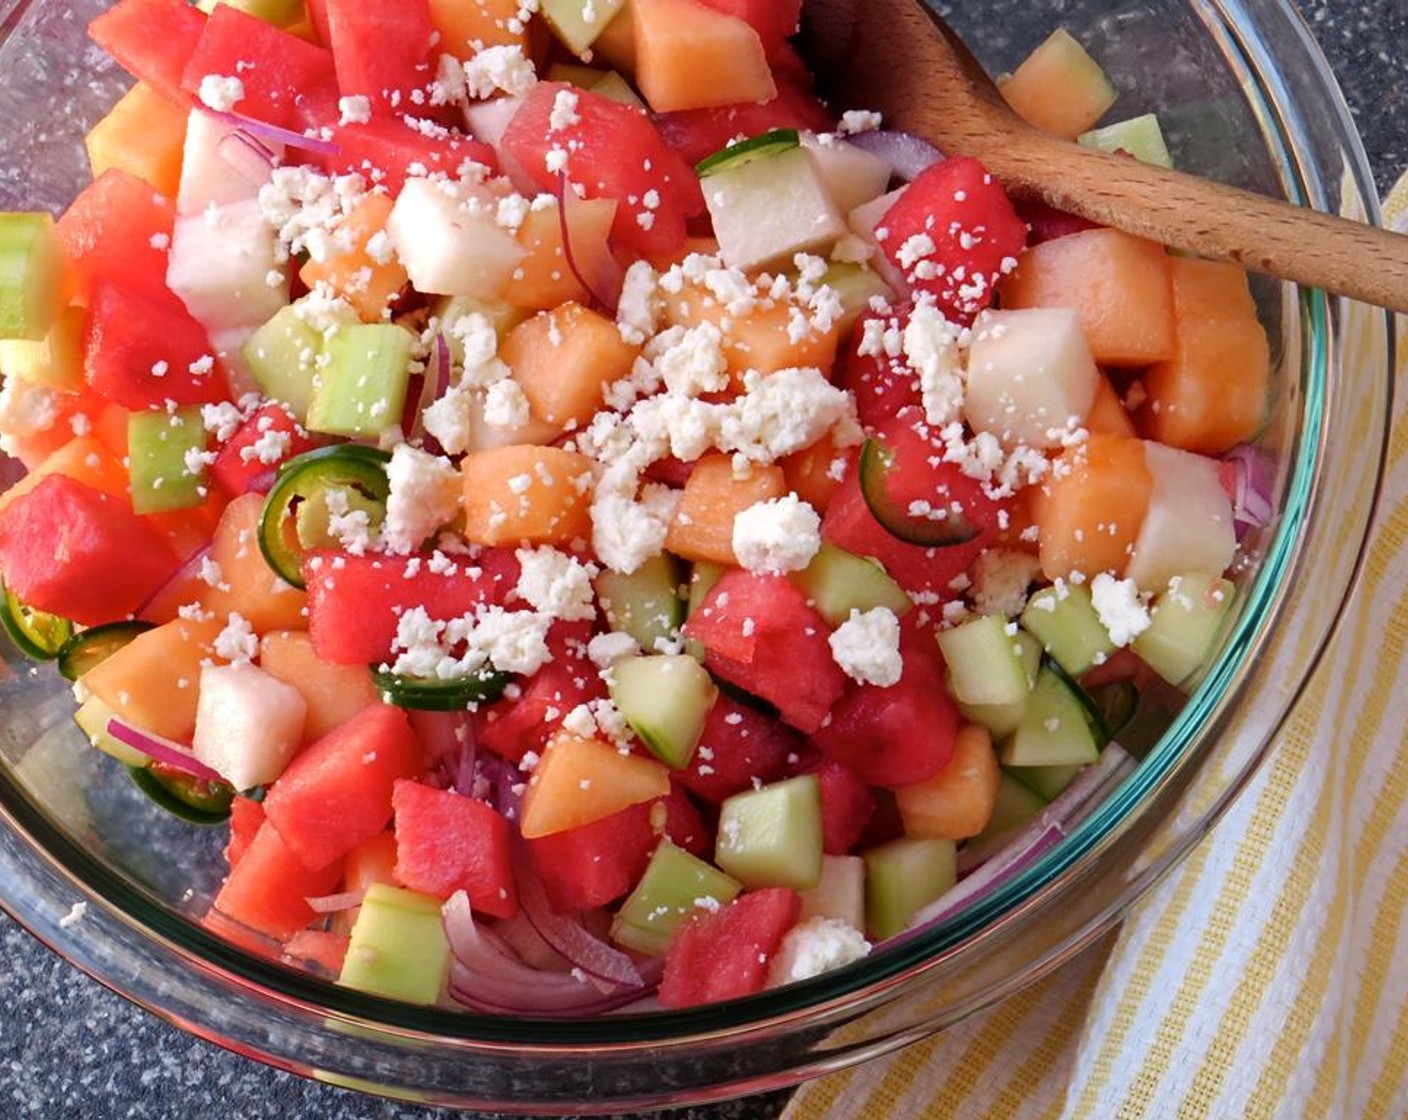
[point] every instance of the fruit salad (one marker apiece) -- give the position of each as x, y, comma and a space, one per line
594, 524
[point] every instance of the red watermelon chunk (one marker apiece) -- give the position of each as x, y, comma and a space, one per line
383, 50
144, 350
953, 233
896, 736
239, 466
74, 551
246, 819
279, 71
355, 602
847, 805
151, 39
725, 953
785, 656
268, 890
739, 745
882, 384
775, 21
324, 950
336, 794
388, 151
612, 151
447, 842
118, 228
698, 133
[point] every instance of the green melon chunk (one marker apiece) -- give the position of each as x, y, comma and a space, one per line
569, 22
855, 285
904, 876
646, 603
674, 885
1016, 804
56, 360
986, 664
92, 718
283, 357
1047, 782
398, 947
666, 699
31, 275
1067, 625
362, 388
1141, 137
838, 582
1184, 626
158, 446
1054, 730
771, 837
613, 87
702, 577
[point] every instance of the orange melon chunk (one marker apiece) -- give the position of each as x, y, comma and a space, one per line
143, 134
1089, 510
153, 682
523, 493
702, 528
1108, 413
579, 780
958, 801
1059, 89
564, 358
814, 474
1211, 394
333, 693
467, 25
690, 56
247, 584
616, 45
361, 268
543, 279
82, 459
1119, 286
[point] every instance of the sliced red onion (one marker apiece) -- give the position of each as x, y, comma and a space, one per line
248, 155
1253, 480
528, 945
507, 783
262, 130
601, 288
187, 571
434, 384
335, 903
610, 967
163, 750
906, 153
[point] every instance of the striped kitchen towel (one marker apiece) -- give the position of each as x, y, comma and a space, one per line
1268, 976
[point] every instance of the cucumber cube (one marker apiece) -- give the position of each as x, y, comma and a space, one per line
985, 662
160, 446
1000, 719
1066, 624
645, 604
1184, 626
362, 388
855, 285
839, 893
674, 885
904, 876
771, 837
31, 275
1054, 730
666, 699
1016, 804
838, 582
569, 22
283, 357
1140, 137
613, 87
398, 947
56, 361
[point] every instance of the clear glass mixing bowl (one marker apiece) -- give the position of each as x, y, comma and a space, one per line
1245, 97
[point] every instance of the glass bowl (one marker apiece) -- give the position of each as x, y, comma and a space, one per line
1245, 97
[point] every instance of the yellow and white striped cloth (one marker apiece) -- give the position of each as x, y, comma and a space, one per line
1267, 978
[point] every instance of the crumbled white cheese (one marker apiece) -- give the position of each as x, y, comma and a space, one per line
777, 535
692, 362
931, 346
356, 109
506, 405
815, 946
556, 584
783, 412
858, 120
76, 913
867, 647
1001, 578
638, 308
221, 93
424, 495
607, 649
1121, 609
237, 642
503, 68
564, 111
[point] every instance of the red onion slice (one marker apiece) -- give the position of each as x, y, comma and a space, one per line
605, 282
906, 154
262, 130
610, 967
163, 750
248, 155
1253, 480
186, 572
335, 903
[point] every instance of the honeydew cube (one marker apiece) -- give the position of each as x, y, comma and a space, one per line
577, 23
398, 948
771, 836
985, 662
1188, 528
852, 175
767, 210
673, 886
218, 167
1031, 377
613, 87
361, 390
1141, 137
446, 236
1184, 626
904, 876
92, 718
839, 893
666, 699
159, 446
224, 267
489, 120
248, 723
1066, 622
31, 275
865, 222
55, 361
282, 357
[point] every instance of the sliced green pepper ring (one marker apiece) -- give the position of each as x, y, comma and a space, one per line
38, 634
771, 143
307, 477
184, 795
89, 647
1095, 711
877, 463
427, 694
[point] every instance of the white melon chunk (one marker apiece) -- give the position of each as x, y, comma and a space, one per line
446, 236
767, 210
852, 175
249, 723
1188, 527
1031, 378
218, 167
864, 221
228, 346
483, 436
840, 893
224, 266
489, 120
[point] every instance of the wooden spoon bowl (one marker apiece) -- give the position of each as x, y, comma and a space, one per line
900, 58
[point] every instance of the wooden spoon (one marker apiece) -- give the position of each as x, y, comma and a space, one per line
900, 58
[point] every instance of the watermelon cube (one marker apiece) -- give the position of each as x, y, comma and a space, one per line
447, 842
588, 866
118, 228
249, 459
740, 745
847, 805
724, 954
246, 819
151, 39
382, 50
269, 888
387, 151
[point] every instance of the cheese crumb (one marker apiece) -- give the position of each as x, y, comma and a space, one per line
221, 93
424, 494
777, 535
815, 946
1122, 612
867, 647
237, 642
556, 584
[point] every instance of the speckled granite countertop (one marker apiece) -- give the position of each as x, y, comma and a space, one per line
70, 1049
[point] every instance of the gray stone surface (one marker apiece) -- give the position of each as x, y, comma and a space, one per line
69, 1049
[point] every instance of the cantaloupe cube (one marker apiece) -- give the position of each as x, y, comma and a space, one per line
541, 495
143, 134
1059, 89
703, 246
153, 682
616, 45
367, 273
1108, 413
333, 693
958, 801
564, 358
467, 25
702, 528
1120, 286
579, 780
1212, 393
814, 474
246, 584
82, 459
1091, 506
691, 56
248, 723
543, 278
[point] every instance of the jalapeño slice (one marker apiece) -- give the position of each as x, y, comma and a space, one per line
431, 694
937, 529
772, 143
38, 634
96, 644
354, 468
183, 795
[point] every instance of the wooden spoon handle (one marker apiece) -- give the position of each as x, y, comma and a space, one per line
1313, 249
